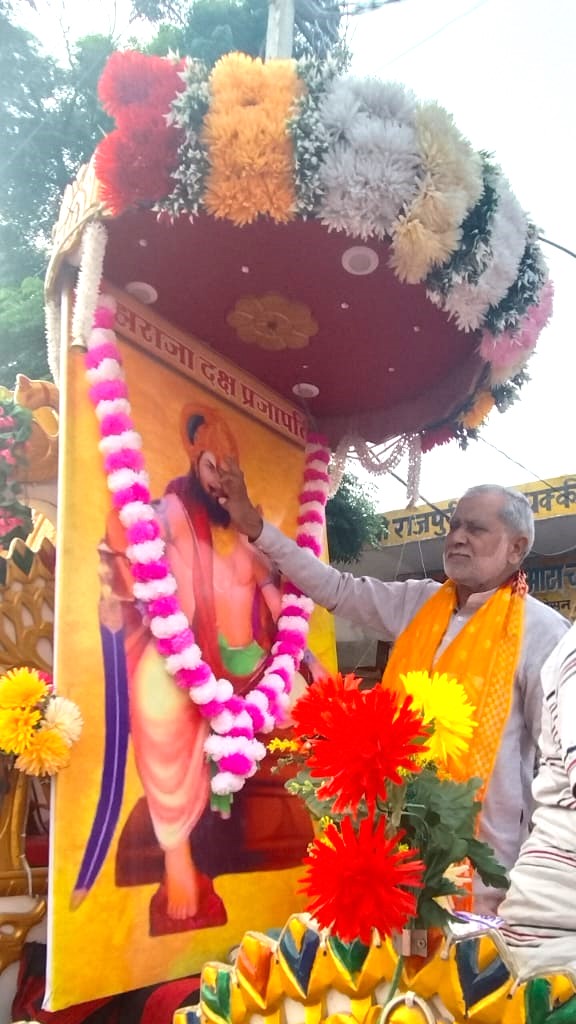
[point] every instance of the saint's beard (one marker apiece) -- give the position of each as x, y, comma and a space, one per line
217, 515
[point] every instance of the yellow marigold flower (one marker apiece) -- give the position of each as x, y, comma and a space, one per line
479, 411
22, 688
324, 821
320, 837
443, 704
17, 728
250, 151
283, 746
46, 755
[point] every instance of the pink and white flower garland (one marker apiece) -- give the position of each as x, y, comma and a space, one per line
509, 351
234, 720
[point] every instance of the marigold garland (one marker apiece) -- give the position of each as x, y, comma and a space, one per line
475, 416
249, 149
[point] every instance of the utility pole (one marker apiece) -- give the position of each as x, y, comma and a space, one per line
280, 33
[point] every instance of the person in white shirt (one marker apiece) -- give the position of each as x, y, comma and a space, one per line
491, 532
540, 905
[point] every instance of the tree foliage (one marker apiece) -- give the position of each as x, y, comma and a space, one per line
50, 122
211, 28
22, 342
207, 29
352, 521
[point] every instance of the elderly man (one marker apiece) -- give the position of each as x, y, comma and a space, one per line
479, 626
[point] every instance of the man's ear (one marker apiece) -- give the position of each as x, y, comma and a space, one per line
519, 549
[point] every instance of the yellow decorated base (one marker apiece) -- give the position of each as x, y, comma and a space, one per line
309, 977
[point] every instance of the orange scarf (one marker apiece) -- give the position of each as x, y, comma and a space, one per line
483, 657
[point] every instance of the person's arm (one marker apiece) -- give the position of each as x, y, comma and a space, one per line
544, 628
362, 600
566, 689
385, 608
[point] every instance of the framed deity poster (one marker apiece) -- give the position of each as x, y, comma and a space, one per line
148, 881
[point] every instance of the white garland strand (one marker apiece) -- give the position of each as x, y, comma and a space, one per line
53, 328
469, 303
414, 468
94, 239
378, 463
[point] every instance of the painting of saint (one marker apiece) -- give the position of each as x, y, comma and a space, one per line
231, 597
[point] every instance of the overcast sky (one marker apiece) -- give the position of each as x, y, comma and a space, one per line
505, 69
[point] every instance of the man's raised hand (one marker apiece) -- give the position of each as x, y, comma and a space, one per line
243, 514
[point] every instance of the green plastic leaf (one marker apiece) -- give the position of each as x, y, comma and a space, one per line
490, 870
430, 914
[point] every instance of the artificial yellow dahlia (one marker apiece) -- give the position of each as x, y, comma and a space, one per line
17, 729
444, 706
46, 755
22, 688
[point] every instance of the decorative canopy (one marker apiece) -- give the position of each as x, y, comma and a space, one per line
333, 236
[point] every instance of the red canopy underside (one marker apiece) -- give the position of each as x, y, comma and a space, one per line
385, 359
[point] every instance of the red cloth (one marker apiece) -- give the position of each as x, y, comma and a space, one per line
153, 1005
